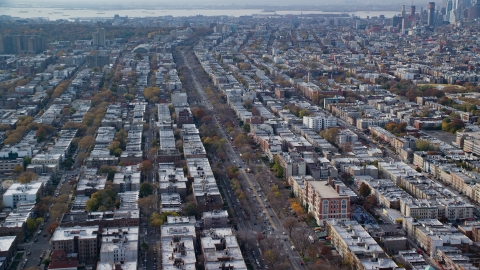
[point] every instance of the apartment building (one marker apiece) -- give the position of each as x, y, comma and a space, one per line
318, 123
346, 136
354, 244
119, 244
418, 208
292, 163
81, 240
171, 179
8, 248
7, 165
386, 192
18, 192
325, 202
430, 234
127, 180
204, 187
215, 219
221, 250
452, 258
178, 246
396, 170
470, 141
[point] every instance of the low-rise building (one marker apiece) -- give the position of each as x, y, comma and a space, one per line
221, 250
354, 244
452, 258
171, 179
18, 192
430, 234
119, 244
178, 246
8, 248
128, 179
215, 219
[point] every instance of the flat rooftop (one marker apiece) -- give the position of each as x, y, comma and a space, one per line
324, 189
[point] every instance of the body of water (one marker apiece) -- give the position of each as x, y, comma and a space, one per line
71, 14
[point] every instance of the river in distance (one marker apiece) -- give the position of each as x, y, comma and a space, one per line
72, 14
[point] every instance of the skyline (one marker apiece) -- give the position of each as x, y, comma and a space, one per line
213, 2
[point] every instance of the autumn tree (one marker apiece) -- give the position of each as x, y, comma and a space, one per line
297, 208
147, 203
27, 177
52, 227
60, 89
152, 94
41, 134
18, 169
199, 113
452, 125
103, 200
372, 201
330, 135
146, 167
364, 190
86, 142
425, 145
326, 251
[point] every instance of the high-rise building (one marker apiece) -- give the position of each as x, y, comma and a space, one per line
98, 38
474, 11
403, 11
18, 44
431, 13
412, 18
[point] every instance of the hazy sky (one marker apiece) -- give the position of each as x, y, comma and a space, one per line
242, 2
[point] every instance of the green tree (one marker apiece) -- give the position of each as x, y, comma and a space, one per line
109, 170
190, 209
425, 145
32, 224
102, 200
145, 189
246, 128
26, 161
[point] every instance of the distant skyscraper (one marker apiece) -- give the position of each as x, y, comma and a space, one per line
98, 38
19, 44
431, 14
403, 11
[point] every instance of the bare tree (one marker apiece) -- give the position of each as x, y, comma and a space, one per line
290, 223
